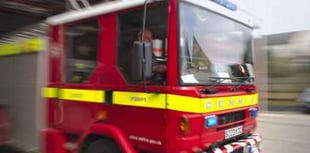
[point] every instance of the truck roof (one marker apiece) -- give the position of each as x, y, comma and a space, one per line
112, 6
99, 9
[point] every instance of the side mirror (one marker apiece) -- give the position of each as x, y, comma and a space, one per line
141, 60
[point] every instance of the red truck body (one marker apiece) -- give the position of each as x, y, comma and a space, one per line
4, 126
108, 112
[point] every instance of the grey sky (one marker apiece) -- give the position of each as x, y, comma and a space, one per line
278, 16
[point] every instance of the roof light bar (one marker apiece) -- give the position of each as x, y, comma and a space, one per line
226, 4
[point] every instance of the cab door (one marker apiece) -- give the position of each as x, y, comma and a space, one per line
77, 99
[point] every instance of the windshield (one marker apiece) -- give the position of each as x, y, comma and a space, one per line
213, 47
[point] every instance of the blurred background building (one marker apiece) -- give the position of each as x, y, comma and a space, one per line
288, 64
288, 69
282, 51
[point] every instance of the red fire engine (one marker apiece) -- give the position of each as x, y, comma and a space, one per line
105, 94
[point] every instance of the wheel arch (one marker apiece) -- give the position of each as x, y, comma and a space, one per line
106, 131
91, 138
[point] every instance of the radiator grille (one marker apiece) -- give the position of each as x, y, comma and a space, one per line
231, 117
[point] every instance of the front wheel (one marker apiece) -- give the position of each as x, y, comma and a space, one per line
103, 146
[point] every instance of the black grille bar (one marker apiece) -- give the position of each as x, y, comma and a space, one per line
231, 117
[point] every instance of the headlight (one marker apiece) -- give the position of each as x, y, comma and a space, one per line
184, 125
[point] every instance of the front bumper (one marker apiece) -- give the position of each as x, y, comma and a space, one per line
251, 144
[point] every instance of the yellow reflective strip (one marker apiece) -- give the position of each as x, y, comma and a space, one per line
32, 45
225, 103
204, 105
96, 96
150, 100
155, 100
184, 103
9, 49
49, 92
22, 46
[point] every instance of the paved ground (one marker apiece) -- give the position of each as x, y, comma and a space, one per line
284, 132
297, 109
284, 106
285, 129
9, 149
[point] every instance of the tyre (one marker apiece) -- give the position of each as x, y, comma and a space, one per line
103, 146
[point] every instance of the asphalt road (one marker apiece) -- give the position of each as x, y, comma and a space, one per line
10, 149
291, 108
284, 132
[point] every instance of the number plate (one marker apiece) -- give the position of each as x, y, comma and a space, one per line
229, 133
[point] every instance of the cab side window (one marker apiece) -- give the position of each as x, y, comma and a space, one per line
81, 43
129, 31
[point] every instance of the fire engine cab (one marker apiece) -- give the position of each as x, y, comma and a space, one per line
105, 94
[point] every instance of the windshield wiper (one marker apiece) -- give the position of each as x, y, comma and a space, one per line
237, 79
244, 79
220, 80
211, 90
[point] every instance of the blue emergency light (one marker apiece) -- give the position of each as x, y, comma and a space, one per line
226, 4
253, 112
210, 121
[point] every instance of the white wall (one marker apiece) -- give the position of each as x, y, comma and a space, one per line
278, 16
